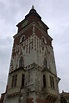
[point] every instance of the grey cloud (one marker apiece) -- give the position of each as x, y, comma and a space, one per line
3, 78
2, 88
5, 50
5, 42
5, 55
9, 8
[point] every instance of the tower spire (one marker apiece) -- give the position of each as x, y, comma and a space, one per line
32, 6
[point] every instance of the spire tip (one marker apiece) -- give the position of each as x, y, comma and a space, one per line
32, 6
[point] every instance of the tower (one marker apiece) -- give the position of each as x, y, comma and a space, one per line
32, 76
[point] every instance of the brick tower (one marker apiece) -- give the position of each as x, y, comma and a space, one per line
32, 76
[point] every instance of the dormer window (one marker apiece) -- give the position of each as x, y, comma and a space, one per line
22, 39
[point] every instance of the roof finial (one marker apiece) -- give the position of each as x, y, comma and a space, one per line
32, 6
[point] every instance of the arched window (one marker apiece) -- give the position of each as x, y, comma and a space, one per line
43, 39
22, 38
21, 63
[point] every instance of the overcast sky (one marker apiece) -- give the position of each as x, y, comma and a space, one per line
55, 13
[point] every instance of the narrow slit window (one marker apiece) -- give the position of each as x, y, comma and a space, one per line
14, 81
52, 82
44, 81
23, 80
21, 62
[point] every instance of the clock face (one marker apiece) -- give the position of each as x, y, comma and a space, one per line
25, 23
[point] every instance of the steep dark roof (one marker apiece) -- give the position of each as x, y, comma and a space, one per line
34, 12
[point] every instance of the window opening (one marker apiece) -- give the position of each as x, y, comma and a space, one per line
23, 80
51, 82
22, 38
21, 62
14, 80
45, 63
44, 81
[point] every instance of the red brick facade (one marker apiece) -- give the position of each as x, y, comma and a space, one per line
29, 100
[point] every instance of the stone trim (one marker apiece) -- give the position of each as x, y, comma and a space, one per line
33, 66
18, 69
